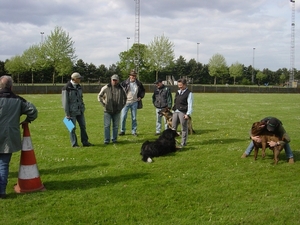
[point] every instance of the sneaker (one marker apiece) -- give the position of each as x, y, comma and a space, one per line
244, 156
291, 160
135, 134
122, 133
75, 146
88, 144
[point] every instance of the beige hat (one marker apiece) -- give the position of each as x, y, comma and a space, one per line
75, 75
115, 77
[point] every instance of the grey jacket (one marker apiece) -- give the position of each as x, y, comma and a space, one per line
72, 100
112, 99
11, 108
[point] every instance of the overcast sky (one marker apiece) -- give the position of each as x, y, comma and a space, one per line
100, 28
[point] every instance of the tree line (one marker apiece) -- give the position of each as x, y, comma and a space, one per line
54, 59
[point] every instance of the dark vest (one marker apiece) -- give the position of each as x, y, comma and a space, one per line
181, 102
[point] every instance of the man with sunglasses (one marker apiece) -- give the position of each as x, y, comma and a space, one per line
113, 98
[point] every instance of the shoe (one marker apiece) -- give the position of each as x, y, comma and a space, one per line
244, 156
106, 143
122, 133
76, 146
291, 160
135, 134
179, 146
3, 196
88, 144
156, 134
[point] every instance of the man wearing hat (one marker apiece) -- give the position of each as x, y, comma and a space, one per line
72, 100
113, 98
135, 91
161, 98
273, 125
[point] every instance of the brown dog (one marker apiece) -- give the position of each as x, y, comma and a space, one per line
259, 129
168, 115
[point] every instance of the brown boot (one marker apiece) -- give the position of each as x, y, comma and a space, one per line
291, 160
244, 156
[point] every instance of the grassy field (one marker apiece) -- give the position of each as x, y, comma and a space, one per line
205, 183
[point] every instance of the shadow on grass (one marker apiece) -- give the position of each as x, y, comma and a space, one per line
62, 170
88, 183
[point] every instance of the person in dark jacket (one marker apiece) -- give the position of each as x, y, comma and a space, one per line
72, 100
183, 107
113, 98
275, 126
161, 98
135, 91
12, 107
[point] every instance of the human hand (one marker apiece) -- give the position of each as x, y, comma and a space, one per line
272, 143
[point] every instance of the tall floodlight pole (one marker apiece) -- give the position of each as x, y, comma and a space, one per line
127, 66
292, 53
42, 37
198, 52
252, 79
137, 36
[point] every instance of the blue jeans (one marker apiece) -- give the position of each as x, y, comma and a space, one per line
287, 149
4, 169
158, 121
83, 135
133, 109
115, 118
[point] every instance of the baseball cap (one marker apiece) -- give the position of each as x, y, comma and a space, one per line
115, 77
132, 73
158, 81
272, 124
75, 75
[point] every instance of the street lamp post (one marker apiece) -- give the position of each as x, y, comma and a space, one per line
42, 37
253, 67
198, 52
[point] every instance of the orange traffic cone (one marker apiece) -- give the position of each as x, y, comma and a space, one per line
29, 178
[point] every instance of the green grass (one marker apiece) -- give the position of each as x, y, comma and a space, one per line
205, 183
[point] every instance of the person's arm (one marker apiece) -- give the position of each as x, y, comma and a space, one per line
65, 102
170, 99
102, 96
190, 104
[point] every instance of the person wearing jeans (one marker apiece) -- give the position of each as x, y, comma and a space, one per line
275, 126
113, 98
12, 107
72, 101
135, 91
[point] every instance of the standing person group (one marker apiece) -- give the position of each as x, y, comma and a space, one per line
161, 98
72, 100
12, 107
135, 92
113, 98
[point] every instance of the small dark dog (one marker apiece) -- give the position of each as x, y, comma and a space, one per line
168, 115
165, 144
259, 129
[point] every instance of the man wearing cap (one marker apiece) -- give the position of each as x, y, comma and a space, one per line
113, 98
72, 100
135, 91
273, 125
161, 98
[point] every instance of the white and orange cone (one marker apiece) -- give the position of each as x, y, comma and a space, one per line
28, 178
